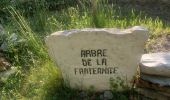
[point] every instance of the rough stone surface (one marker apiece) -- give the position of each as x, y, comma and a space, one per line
162, 81
90, 57
156, 64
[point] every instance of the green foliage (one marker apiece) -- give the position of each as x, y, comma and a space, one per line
3, 4
117, 84
27, 24
31, 43
13, 84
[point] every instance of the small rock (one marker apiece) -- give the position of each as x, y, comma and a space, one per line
108, 95
4, 46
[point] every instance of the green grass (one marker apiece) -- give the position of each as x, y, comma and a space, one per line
37, 77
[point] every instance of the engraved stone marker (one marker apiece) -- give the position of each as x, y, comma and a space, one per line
90, 57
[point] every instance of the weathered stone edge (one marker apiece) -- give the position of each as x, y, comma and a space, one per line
134, 29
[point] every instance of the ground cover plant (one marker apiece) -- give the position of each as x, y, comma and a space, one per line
27, 23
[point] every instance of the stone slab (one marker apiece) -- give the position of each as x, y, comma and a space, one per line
162, 81
91, 57
149, 94
148, 85
156, 64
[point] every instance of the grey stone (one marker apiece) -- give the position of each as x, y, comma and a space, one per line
156, 64
90, 57
13, 38
4, 46
108, 95
162, 81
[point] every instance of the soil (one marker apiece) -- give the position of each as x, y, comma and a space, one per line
160, 44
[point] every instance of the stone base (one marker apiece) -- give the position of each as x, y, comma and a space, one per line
145, 84
162, 81
150, 94
153, 91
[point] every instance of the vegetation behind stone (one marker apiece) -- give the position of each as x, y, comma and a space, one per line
26, 23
